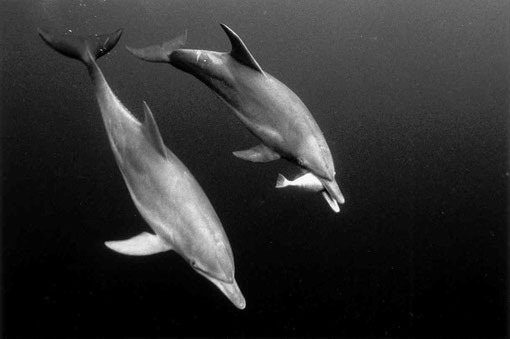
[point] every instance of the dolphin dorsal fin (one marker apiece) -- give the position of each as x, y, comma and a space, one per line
151, 131
239, 50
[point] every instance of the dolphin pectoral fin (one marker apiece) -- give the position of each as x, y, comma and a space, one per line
142, 244
259, 153
159, 53
332, 202
151, 131
239, 50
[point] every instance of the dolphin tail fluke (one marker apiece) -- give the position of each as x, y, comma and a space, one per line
281, 181
159, 53
85, 49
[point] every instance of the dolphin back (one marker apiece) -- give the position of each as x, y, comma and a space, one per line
159, 53
85, 49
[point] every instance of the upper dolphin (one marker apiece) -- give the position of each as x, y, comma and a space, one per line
162, 188
268, 108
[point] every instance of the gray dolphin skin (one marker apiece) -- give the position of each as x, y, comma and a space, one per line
162, 188
268, 108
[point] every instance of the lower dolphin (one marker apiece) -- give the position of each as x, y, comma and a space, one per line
268, 108
162, 188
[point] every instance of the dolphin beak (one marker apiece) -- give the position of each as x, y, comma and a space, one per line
230, 290
333, 190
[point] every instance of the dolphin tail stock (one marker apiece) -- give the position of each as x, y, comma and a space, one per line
86, 49
281, 181
159, 53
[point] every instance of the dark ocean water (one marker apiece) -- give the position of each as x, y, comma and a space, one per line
412, 98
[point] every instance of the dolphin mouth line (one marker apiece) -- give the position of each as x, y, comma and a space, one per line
324, 178
311, 170
207, 275
229, 289
320, 177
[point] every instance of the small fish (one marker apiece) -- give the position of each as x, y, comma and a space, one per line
308, 182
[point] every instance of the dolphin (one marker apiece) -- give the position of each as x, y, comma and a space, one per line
268, 108
165, 193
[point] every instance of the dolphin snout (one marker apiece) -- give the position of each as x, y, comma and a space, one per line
240, 302
231, 291
332, 188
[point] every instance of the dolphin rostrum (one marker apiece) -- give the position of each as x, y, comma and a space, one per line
268, 108
162, 188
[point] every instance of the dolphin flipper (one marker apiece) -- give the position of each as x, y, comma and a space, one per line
159, 53
259, 153
142, 244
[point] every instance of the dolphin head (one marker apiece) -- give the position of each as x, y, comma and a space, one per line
315, 156
210, 255
221, 274
230, 290
215, 262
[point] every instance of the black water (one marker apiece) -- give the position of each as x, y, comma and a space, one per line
413, 100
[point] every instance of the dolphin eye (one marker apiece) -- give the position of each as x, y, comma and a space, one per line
193, 264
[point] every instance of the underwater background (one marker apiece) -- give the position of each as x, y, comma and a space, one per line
412, 98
